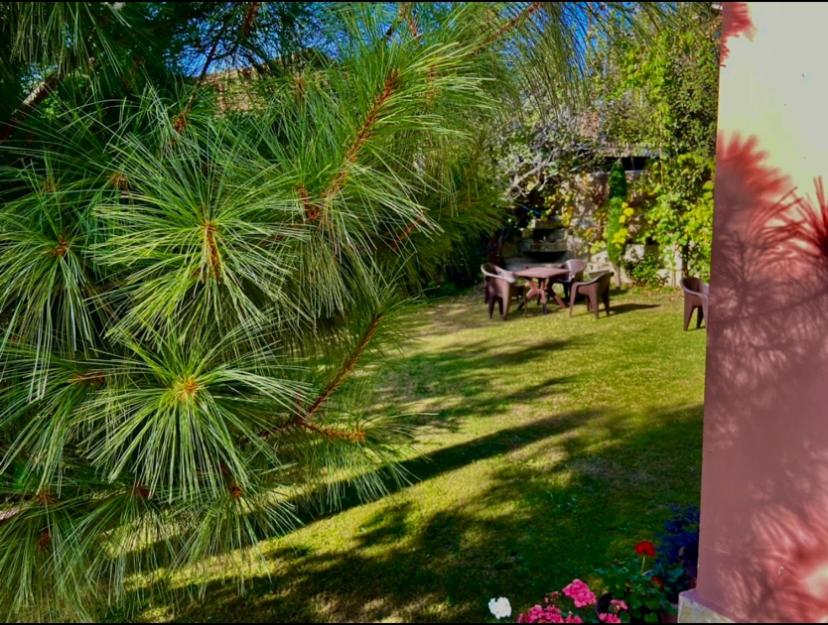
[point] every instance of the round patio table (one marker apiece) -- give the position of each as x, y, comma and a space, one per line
539, 278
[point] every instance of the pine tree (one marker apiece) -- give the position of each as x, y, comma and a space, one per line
201, 273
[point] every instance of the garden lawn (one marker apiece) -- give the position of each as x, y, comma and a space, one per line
545, 447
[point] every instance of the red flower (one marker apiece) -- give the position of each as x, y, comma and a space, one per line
658, 582
645, 548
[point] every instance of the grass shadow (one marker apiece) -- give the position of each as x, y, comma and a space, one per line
630, 307
446, 566
465, 380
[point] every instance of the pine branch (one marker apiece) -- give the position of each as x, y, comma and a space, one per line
213, 254
362, 137
304, 420
91, 378
249, 18
40, 93
247, 24
346, 369
407, 232
332, 434
411, 21
211, 55
166, 218
405, 13
181, 120
312, 210
513, 23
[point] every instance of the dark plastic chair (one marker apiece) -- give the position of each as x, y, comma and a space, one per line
696, 297
500, 286
576, 268
595, 289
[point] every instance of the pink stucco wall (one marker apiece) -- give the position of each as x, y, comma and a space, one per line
764, 533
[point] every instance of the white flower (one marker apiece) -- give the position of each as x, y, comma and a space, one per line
500, 607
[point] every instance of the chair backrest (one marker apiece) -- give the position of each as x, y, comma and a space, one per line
604, 281
490, 270
603, 277
694, 286
576, 268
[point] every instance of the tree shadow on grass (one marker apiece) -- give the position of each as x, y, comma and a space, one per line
556, 497
464, 374
461, 381
569, 499
447, 459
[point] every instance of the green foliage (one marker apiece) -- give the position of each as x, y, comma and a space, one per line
549, 141
614, 233
651, 89
644, 271
538, 151
663, 95
680, 208
662, 91
465, 220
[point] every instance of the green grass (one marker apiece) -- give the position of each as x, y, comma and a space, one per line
545, 447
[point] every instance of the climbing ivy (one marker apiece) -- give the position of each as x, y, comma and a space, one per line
615, 233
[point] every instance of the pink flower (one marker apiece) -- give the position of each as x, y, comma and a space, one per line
580, 593
542, 614
547, 614
609, 618
619, 605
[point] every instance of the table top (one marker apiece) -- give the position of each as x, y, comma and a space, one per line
542, 272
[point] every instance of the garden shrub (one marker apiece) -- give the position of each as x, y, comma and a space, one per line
646, 270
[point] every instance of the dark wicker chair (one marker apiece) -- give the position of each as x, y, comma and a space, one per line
696, 297
576, 268
500, 286
596, 289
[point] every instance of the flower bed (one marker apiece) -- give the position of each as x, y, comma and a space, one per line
641, 589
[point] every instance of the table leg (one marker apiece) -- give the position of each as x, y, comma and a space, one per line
560, 302
544, 298
533, 291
